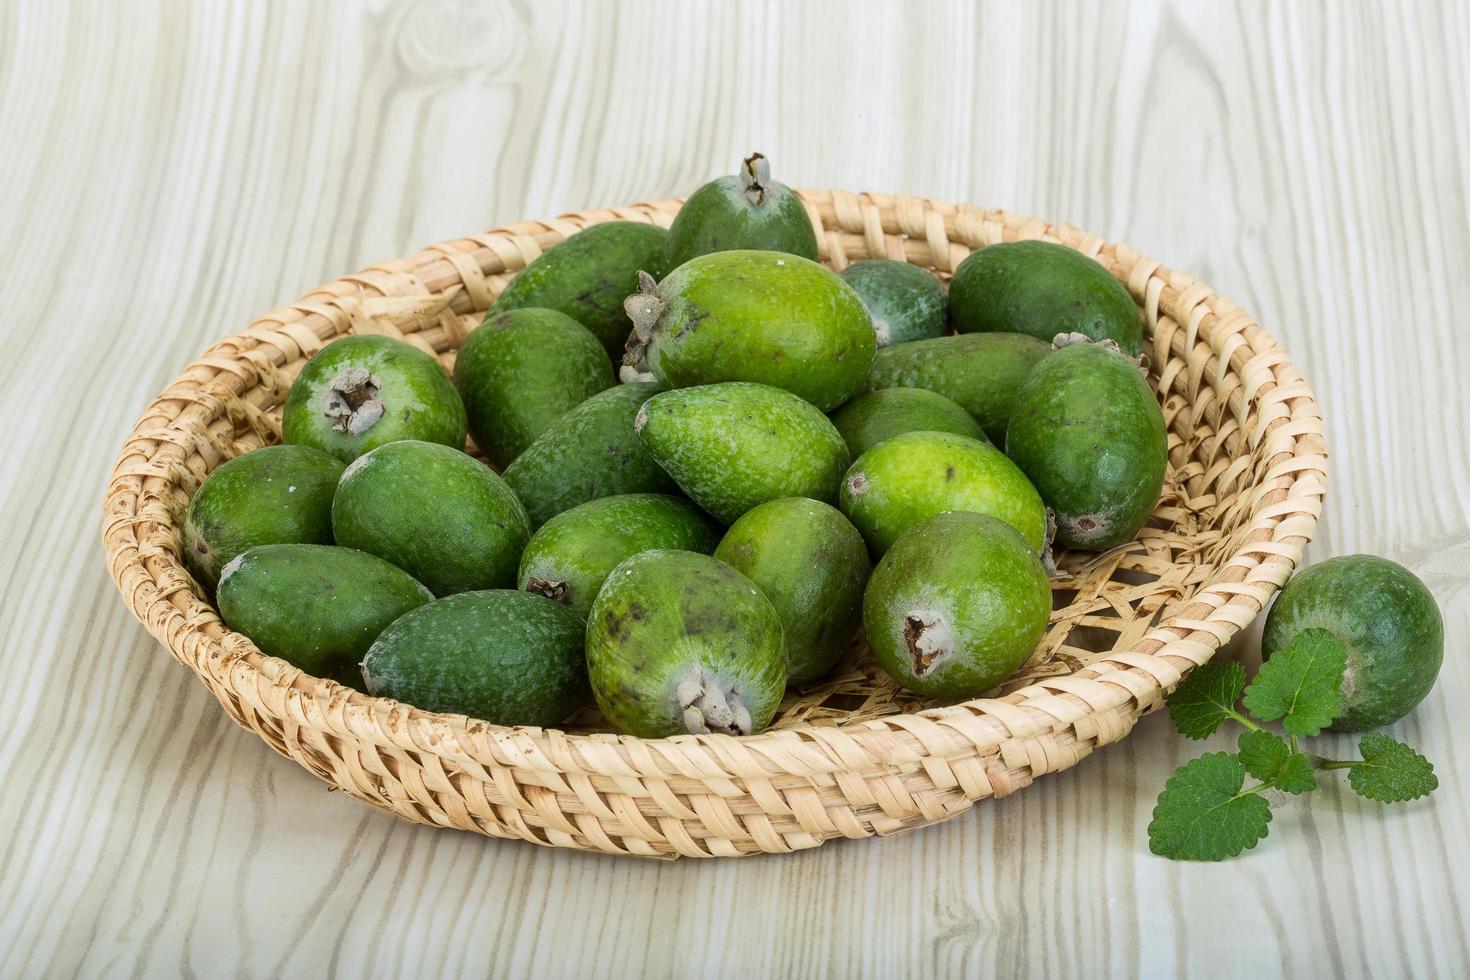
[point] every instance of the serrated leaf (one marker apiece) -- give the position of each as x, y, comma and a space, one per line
1202, 815
1391, 772
1205, 698
1301, 684
1296, 774
1270, 759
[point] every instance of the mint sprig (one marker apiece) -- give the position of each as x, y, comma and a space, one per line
1301, 684
1390, 771
1206, 811
1202, 702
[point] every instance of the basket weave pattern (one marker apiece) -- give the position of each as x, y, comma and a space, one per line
853, 757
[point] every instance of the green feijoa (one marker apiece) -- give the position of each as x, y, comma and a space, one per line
678, 643
1087, 431
592, 451
981, 373
438, 514
1042, 289
507, 657
317, 606
908, 479
869, 419
1387, 622
905, 302
773, 319
956, 606
588, 276
745, 210
811, 563
362, 391
572, 554
274, 495
734, 445
520, 371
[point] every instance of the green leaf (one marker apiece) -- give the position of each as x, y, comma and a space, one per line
1202, 814
1391, 772
1301, 683
1266, 756
1205, 698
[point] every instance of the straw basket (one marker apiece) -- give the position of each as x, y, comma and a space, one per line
851, 758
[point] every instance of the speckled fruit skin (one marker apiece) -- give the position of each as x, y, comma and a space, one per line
981, 373
438, 514
592, 451
518, 372
274, 495
721, 215
316, 606
905, 302
417, 397
506, 657
574, 552
588, 276
811, 563
732, 446
1386, 620
1089, 434
956, 606
674, 632
764, 317
1042, 289
878, 415
910, 478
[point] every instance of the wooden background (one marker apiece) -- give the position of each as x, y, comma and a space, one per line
170, 170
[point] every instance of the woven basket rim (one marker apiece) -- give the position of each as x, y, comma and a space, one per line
1036, 729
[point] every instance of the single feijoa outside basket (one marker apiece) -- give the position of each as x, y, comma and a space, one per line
850, 758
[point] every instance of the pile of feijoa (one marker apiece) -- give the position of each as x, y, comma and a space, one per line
713, 465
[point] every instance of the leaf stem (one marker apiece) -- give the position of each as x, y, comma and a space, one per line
1232, 713
1320, 763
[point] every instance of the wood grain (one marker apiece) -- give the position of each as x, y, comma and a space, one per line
171, 169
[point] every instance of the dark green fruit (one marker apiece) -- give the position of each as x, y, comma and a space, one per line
811, 563
869, 419
908, 479
574, 552
905, 302
592, 451
746, 210
520, 371
734, 445
956, 606
315, 606
588, 276
360, 392
681, 643
981, 373
754, 316
1042, 289
1388, 624
503, 656
274, 495
1089, 434
442, 516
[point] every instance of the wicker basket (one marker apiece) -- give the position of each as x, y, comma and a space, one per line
851, 758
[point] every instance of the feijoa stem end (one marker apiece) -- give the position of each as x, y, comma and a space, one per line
755, 177
712, 705
928, 639
644, 308
353, 404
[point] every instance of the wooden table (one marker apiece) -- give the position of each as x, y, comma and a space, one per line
170, 170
